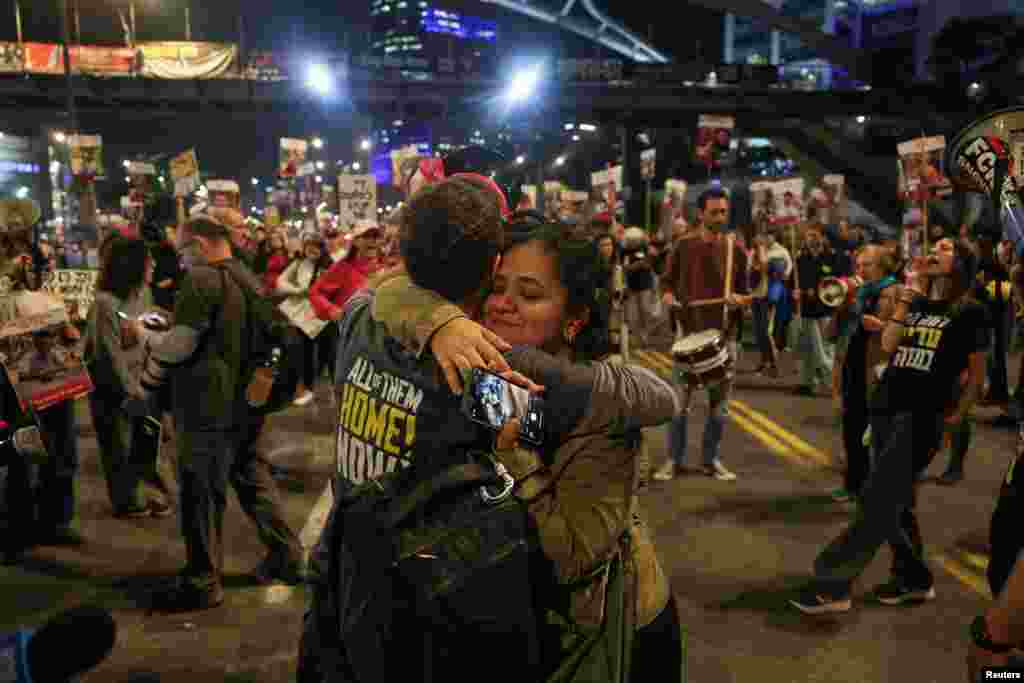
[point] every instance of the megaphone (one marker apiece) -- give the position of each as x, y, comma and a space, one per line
838, 291
980, 159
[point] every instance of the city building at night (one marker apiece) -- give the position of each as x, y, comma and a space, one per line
430, 30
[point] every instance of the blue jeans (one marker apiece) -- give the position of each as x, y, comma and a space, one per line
714, 426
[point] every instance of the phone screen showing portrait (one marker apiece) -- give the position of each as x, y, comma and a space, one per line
492, 400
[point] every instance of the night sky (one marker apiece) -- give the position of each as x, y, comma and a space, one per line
244, 149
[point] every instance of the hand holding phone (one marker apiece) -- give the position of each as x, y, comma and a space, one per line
492, 401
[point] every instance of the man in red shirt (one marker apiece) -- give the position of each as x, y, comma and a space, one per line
697, 271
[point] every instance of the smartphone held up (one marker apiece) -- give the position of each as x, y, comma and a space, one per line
492, 400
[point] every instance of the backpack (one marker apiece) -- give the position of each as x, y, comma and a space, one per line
419, 562
271, 340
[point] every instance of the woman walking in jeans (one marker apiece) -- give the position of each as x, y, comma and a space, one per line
936, 333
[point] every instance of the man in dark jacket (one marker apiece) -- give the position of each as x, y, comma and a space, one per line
204, 354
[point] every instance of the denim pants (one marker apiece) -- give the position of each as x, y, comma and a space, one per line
902, 447
714, 426
763, 319
815, 357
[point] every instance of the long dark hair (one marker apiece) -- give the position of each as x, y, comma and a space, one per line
583, 273
124, 271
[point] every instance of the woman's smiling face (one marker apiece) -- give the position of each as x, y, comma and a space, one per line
527, 304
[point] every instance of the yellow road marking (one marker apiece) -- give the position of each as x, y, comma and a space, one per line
768, 440
794, 441
963, 575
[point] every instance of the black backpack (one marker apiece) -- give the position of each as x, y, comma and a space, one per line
272, 340
418, 561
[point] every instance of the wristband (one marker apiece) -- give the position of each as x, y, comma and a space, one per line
981, 638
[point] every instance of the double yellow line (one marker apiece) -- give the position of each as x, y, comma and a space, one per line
780, 441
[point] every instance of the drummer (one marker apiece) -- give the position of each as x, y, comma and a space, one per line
698, 273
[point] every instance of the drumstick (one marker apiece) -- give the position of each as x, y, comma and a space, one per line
709, 302
729, 242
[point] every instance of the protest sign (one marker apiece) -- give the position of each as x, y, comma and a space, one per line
714, 137
921, 168
87, 156
648, 163
185, 173
299, 311
76, 288
224, 194
293, 155
357, 199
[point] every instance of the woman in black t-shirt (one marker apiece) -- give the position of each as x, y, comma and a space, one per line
935, 334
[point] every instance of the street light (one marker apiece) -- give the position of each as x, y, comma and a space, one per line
356, 166
255, 182
588, 127
559, 161
520, 159
575, 138
60, 137
318, 143
319, 165
318, 79
22, 193
861, 119
319, 179
523, 85
366, 144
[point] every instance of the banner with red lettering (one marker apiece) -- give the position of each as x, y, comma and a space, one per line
44, 58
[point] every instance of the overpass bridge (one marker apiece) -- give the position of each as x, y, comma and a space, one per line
649, 104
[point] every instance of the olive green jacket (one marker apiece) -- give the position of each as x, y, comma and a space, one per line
584, 500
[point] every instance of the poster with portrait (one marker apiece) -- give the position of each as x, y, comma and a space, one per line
913, 235
762, 202
648, 163
606, 186
714, 137
789, 201
922, 175
42, 353
224, 194
185, 173
673, 206
76, 288
401, 161
87, 156
140, 177
826, 201
553, 190
357, 200
528, 200
293, 155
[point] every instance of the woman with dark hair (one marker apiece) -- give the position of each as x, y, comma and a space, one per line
549, 293
136, 489
937, 335
278, 259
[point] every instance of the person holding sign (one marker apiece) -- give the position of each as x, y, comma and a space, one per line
295, 282
136, 489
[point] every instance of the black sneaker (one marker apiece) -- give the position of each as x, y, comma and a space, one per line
814, 603
186, 597
898, 593
278, 569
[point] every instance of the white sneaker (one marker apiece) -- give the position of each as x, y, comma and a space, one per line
304, 399
666, 472
719, 472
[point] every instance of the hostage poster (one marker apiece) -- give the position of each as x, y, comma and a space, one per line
714, 137
357, 200
76, 288
185, 173
826, 202
42, 353
87, 156
606, 186
293, 155
922, 175
673, 208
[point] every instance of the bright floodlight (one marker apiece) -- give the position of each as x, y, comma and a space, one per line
356, 166
861, 119
22, 193
318, 143
60, 137
319, 165
255, 181
559, 161
520, 159
318, 79
524, 84
575, 138
588, 127
366, 144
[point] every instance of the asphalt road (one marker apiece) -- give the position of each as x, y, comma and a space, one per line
735, 552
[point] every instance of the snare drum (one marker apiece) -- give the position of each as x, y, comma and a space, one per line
703, 358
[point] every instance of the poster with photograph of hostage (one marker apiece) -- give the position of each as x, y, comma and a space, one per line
528, 200
789, 202
714, 139
673, 209
42, 352
76, 288
913, 237
922, 175
357, 200
762, 198
293, 155
224, 194
87, 156
826, 201
553, 190
185, 173
605, 191
140, 176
